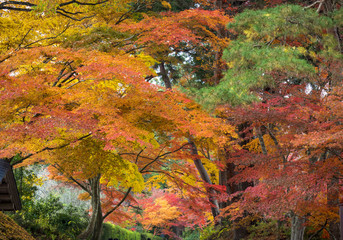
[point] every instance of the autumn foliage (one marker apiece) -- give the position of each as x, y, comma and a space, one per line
173, 115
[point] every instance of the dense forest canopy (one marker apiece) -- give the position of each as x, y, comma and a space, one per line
204, 119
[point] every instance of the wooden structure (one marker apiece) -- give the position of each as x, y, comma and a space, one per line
9, 196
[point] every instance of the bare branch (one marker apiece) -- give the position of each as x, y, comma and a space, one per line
138, 155
47, 38
82, 3
51, 148
321, 229
72, 18
320, 6
320, 2
59, 168
18, 6
141, 171
124, 16
261, 140
339, 40
312, 4
5, 58
276, 144
134, 49
67, 12
22, 40
162, 155
118, 205
135, 154
116, 44
28, 7
17, 9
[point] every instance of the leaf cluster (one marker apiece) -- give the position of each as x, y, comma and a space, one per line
285, 41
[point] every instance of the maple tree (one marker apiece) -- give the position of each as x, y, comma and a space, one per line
176, 39
170, 210
185, 36
42, 113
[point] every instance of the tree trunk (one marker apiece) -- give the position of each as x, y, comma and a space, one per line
206, 178
333, 203
223, 177
201, 169
94, 228
165, 76
297, 227
261, 140
239, 232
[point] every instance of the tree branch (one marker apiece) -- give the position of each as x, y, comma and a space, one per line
72, 18
272, 136
312, 4
7, 6
138, 155
141, 171
331, 234
22, 40
17, 9
47, 38
135, 154
320, 6
124, 16
317, 232
67, 12
28, 7
162, 155
118, 205
59, 168
51, 148
82, 3
261, 140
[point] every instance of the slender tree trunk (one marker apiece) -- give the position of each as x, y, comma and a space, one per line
200, 167
297, 227
333, 203
206, 178
165, 76
94, 228
279, 225
238, 232
297, 222
261, 140
223, 177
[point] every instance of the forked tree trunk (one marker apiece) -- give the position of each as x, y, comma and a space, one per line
297, 227
94, 228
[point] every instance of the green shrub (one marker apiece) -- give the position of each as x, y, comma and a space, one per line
146, 236
216, 233
267, 229
113, 231
48, 218
191, 234
207, 232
